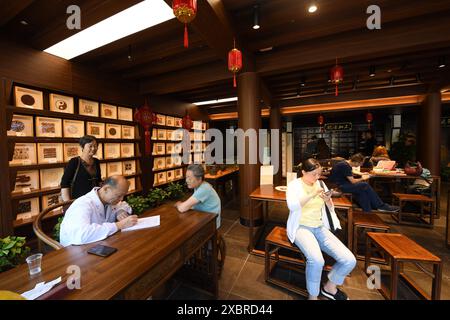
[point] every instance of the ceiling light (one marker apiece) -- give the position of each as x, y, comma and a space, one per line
24, 22
256, 25
303, 82
392, 81
442, 63
312, 8
266, 49
372, 71
139, 17
202, 103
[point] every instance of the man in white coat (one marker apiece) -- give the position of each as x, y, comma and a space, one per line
98, 214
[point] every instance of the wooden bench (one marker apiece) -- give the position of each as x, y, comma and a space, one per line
400, 249
276, 240
402, 198
365, 222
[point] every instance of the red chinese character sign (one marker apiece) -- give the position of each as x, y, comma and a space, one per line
146, 118
337, 76
185, 11
234, 62
186, 122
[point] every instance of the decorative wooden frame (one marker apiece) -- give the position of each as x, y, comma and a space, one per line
96, 129
170, 148
127, 150
170, 121
28, 98
31, 206
51, 178
48, 127
162, 177
124, 113
60, 103
128, 132
71, 150
179, 173
88, 108
49, 200
26, 181
46, 152
108, 111
159, 163
73, 128
113, 131
114, 168
21, 126
24, 154
169, 162
162, 134
112, 150
170, 175
160, 120
129, 167
178, 122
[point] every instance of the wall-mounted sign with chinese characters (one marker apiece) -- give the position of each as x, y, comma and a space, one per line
342, 126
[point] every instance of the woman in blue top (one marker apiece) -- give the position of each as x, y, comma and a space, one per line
205, 198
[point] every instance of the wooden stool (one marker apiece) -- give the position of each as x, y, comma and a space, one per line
401, 249
401, 198
366, 222
276, 240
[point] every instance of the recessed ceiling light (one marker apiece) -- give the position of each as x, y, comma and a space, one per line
256, 24
202, 103
442, 63
312, 8
372, 71
24, 22
139, 17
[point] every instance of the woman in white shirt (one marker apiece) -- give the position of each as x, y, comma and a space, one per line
308, 226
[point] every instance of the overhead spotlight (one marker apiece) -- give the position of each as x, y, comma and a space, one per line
24, 22
392, 81
312, 8
130, 57
256, 25
303, 82
372, 71
442, 62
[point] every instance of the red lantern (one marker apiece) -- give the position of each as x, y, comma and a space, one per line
187, 122
321, 121
234, 62
146, 118
185, 11
369, 118
337, 75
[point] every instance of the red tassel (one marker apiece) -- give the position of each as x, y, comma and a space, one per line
186, 36
336, 94
234, 80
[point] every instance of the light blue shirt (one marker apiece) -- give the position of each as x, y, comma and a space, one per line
208, 200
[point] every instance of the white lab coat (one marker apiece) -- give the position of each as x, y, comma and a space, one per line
86, 220
293, 193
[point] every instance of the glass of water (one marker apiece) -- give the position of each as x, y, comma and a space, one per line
34, 263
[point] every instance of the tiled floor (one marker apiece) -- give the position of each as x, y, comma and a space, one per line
243, 274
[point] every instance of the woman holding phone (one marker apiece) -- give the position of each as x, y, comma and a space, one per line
308, 227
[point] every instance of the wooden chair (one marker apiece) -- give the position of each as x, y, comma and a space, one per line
37, 226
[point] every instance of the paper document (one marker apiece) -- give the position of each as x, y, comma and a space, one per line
144, 223
40, 289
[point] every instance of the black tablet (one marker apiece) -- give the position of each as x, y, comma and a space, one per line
102, 251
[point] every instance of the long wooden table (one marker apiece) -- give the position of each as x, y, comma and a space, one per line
219, 180
145, 259
435, 186
267, 193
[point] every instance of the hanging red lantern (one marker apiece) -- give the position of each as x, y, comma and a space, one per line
337, 76
146, 119
187, 122
369, 119
234, 62
321, 121
185, 11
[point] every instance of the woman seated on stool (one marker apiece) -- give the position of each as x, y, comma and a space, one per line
308, 227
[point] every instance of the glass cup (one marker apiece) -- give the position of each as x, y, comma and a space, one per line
34, 263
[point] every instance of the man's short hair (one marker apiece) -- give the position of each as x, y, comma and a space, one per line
357, 158
197, 171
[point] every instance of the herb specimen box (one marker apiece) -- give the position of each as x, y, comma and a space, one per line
59, 103
48, 127
24, 154
113, 131
88, 108
108, 111
50, 153
51, 178
28, 98
127, 132
129, 167
112, 150
114, 168
125, 114
96, 129
73, 128
51, 200
21, 126
71, 150
26, 181
26, 209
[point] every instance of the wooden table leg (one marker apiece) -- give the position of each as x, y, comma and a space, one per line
215, 275
436, 287
368, 253
251, 245
394, 279
350, 228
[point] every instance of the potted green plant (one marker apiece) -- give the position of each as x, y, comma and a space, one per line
156, 197
175, 191
12, 252
138, 203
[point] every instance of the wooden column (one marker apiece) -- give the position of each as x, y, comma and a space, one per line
249, 112
6, 227
275, 123
429, 137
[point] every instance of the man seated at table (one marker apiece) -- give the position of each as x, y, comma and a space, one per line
205, 198
98, 214
367, 198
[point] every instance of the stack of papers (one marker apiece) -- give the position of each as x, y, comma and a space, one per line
40, 289
143, 223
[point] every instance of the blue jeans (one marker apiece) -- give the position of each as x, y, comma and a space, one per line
364, 194
312, 241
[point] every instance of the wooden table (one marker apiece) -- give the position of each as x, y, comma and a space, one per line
435, 186
400, 249
219, 180
145, 259
267, 193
